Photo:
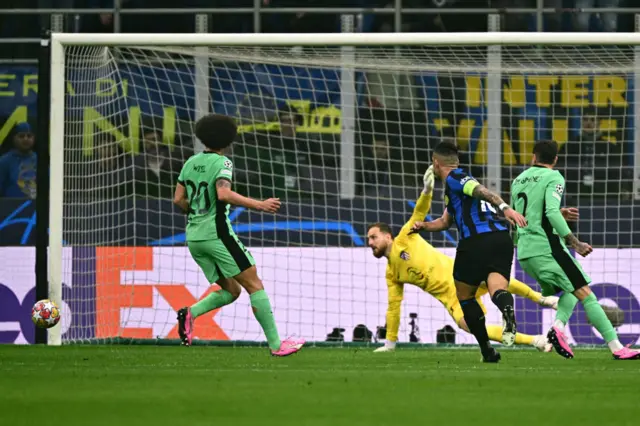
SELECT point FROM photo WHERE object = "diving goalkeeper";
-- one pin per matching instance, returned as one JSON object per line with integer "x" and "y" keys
{"x": 412, "y": 260}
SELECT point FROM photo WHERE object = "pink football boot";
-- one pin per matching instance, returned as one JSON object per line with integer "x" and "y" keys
{"x": 559, "y": 341}
{"x": 626, "y": 353}
{"x": 289, "y": 346}
{"x": 185, "y": 326}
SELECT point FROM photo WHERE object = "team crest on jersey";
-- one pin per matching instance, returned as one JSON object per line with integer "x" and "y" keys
{"x": 404, "y": 255}
{"x": 227, "y": 164}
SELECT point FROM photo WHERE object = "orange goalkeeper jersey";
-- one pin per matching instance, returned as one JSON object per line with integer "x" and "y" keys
{"x": 414, "y": 261}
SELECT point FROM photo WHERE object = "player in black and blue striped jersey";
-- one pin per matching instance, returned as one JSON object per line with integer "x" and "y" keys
{"x": 485, "y": 248}
{"x": 471, "y": 215}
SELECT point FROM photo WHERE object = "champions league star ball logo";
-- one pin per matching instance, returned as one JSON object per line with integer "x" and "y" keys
{"x": 559, "y": 189}
{"x": 227, "y": 164}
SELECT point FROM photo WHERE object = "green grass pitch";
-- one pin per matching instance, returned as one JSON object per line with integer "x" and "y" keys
{"x": 154, "y": 385}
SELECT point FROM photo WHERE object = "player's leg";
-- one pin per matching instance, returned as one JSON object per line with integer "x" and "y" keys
{"x": 468, "y": 277}
{"x": 521, "y": 289}
{"x": 493, "y": 331}
{"x": 229, "y": 291}
{"x": 203, "y": 253}
{"x": 498, "y": 269}
{"x": 546, "y": 271}
{"x": 261, "y": 307}
{"x": 237, "y": 262}
{"x": 596, "y": 315}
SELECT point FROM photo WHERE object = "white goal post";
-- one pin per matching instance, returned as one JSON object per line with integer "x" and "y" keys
{"x": 493, "y": 55}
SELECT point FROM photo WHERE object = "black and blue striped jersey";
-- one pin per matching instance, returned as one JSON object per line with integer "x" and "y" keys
{"x": 472, "y": 216}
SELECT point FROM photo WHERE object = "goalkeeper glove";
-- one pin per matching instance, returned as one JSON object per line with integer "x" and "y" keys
{"x": 388, "y": 347}
{"x": 429, "y": 181}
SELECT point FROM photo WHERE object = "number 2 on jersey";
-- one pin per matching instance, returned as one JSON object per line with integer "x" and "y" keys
{"x": 199, "y": 194}
{"x": 523, "y": 196}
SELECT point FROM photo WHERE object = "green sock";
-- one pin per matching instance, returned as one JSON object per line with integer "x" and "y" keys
{"x": 215, "y": 300}
{"x": 262, "y": 310}
{"x": 598, "y": 318}
{"x": 566, "y": 306}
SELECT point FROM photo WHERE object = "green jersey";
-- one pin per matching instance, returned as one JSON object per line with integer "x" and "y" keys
{"x": 537, "y": 194}
{"x": 208, "y": 218}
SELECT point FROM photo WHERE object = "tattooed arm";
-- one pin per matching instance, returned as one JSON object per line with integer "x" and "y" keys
{"x": 227, "y": 195}
{"x": 482, "y": 193}
{"x": 582, "y": 248}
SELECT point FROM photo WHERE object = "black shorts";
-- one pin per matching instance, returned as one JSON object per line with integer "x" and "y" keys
{"x": 480, "y": 255}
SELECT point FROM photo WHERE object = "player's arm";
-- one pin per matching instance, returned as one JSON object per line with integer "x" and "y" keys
{"x": 396, "y": 294}
{"x": 474, "y": 189}
{"x": 227, "y": 195}
{"x": 553, "y": 198}
{"x": 442, "y": 223}
{"x": 180, "y": 197}
{"x": 423, "y": 205}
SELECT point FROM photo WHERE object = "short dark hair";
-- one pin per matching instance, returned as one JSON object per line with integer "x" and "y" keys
{"x": 545, "y": 151}
{"x": 216, "y": 131}
{"x": 383, "y": 227}
{"x": 446, "y": 149}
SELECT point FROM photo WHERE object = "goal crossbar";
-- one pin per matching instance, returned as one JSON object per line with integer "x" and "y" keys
{"x": 349, "y": 39}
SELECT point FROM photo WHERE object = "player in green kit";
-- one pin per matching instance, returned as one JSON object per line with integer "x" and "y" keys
{"x": 204, "y": 193}
{"x": 542, "y": 250}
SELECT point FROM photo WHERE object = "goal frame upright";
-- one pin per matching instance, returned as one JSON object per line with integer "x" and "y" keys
{"x": 347, "y": 185}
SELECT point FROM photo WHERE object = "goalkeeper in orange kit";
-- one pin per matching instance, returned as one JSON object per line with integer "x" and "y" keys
{"x": 413, "y": 260}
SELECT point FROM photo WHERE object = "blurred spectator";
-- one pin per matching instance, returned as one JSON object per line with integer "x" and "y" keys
{"x": 527, "y": 22}
{"x": 592, "y": 164}
{"x": 272, "y": 159}
{"x": 609, "y": 20}
{"x": 156, "y": 168}
{"x": 102, "y": 23}
{"x": 18, "y": 166}
{"x": 376, "y": 167}
{"x": 230, "y": 23}
{"x": 45, "y": 20}
{"x": 261, "y": 171}
{"x": 445, "y": 22}
{"x": 303, "y": 22}
{"x": 137, "y": 23}
{"x": 300, "y": 149}
{"x": 112, "y": 176}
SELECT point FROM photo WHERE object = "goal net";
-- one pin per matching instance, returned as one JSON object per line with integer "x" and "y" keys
{"x": 340, "y": 130}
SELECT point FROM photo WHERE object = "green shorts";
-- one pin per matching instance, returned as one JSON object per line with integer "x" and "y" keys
{"x": 556, "y": 272}
{"x": 220, "y": 259}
